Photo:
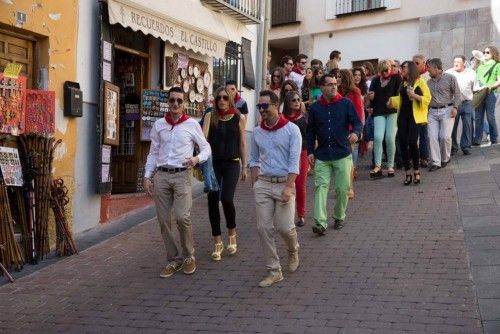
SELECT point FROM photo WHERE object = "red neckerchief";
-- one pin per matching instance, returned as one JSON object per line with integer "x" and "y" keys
{"x": 275, "y": 86}
{"x": 324, "y": 102}
{"x": 170, "y": 121}
{"x": 294, "y": 117}
{"x": 297, "y": 69}
{"x": 389, "y": 76}
{"x": 281, "y": 123}
{"x": 237, "y": 97}
{"x": 231, "y": 111}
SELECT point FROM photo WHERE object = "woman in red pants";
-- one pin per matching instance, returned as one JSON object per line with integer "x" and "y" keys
{"x": 293, "y": 111}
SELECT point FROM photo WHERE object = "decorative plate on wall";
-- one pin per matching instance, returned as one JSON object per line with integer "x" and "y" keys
{"x": 199, "y": 85}
{"x": 185, "y": 85}
{"x": 190, "y": 69}
{"x": 192, "y": 96}
{"x": 183, "y": 73}
{"x": 199, "y": 98}
{"x": 196, "y": 71}
{"x": 207, "y": 79}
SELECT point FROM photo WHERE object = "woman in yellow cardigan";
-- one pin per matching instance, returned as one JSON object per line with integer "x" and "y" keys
{"x": 412, "y": 105}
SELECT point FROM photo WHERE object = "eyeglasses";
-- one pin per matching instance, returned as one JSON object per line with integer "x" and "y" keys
{"x": 263, "y": 106}
{"x": 486, "y": 52}
{"x": 172, "y": 100}
{"x": 222, "y": 97}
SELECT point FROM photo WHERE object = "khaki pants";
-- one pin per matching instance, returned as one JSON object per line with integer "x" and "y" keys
{"x": 272, "y": 214}
{"x": 439, "y": 128}
{"x": 172, "y": 192}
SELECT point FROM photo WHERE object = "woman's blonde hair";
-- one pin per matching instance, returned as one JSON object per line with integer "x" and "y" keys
{"x": 383, "y": 65}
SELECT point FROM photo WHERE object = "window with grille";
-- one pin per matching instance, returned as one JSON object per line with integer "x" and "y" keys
{"x": 227, "y": 68}
{"x": 346, "y": 7}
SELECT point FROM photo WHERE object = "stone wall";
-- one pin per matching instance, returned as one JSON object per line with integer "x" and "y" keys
{"x": 446, "y": 35}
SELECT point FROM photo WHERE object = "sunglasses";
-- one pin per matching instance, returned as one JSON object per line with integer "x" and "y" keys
{"x": 486, "y": 52}
{"x": 172, "y": 100}
{"x": 263, "y": 106}
{"x": 222, "y": 97}
{"x": 296, "y": 100}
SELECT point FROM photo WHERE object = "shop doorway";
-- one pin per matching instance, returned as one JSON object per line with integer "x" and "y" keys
{"x": 19, "y": 50}
{"x": 131, "y": 72}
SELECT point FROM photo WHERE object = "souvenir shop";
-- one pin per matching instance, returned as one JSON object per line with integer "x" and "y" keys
{"x": 142, "y": 55}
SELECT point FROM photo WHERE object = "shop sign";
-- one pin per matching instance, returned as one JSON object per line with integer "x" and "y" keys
{"x": 168, "y": 31}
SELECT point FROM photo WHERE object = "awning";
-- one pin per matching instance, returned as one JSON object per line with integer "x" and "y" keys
{"x": 184, "y": 23}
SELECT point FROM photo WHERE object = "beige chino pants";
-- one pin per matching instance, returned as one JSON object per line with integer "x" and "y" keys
{"x": 172, "y": 192}
{"x": 273, "y": 214}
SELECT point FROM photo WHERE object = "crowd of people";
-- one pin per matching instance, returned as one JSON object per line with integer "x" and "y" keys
{"x": 313, "y": 120}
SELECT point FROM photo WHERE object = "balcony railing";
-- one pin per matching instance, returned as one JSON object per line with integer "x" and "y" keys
{"x": 283, "y": 12}
{"x": 246, "y": 11}
{"x": 348, "y": 7}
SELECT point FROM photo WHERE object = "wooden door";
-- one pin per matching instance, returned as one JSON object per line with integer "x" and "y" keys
{"x": 128, "y": 158}
{"x": 15, "y": 49}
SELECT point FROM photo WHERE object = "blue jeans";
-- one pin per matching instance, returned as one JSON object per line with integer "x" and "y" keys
{"x": 385, "y": 128}
{"x": 209, "y": 178}
{"x": 488, "y": 108}
{"x": 368, "y": 130}
{"x": 423, "y": 142}
{"x": 465, "y": 112}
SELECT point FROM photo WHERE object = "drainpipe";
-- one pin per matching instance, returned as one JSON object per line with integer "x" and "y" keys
{"x": 262, "y": 50}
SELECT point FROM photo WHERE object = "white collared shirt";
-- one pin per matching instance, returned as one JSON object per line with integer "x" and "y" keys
{"x": 172, "y": 146}
{"x": 465, "y": 80}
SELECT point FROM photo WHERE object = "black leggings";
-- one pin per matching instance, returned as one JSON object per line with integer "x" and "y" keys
{"x": 408, "y": 138}
{"x": 227, "y": 174}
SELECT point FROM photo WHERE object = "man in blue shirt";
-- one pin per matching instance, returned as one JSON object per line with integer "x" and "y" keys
{"x": 274, "y": 165}
{"x": 334, "y": 125}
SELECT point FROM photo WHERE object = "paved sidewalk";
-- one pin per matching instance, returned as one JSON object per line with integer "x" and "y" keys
{"x": 477, "y": 180}
{"x": 399, "y": 266}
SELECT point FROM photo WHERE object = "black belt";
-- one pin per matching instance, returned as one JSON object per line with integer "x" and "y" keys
{"x": 171, "y": 170}
{"x": 442, "y": 107}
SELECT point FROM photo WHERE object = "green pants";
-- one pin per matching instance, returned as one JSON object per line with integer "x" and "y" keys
{"x": 323, "y": 170}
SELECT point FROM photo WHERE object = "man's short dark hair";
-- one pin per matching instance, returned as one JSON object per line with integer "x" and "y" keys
{"x": 285, "y": 60}
{"x": 175, "y": 89}
{"x": 316, "y": 62}
{"x": 435, "y": 62}
{"x": 231, "y": 82}
{"x": 461, "y": 57}
{"x": 334, "y": 54}
{"x": 272, "y": 96}
{"x": 322, "y": 80}
{"x": 299, "y": 57}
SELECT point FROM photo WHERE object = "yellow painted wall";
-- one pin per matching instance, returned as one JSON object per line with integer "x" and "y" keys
{"x": 56, "y": 23}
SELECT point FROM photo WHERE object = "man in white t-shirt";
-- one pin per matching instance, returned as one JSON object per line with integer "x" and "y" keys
{"x": 465, "y": 78}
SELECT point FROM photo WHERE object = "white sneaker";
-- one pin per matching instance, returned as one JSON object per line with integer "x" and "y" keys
{"x": 271, "y": 279}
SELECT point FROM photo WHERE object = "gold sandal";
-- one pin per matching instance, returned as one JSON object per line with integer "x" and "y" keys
{"x": 219, "y": 248}
{"x": 232, "y": 247}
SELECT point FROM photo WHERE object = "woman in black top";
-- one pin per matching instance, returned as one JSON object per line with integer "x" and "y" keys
{"x": 226, "y": 135}
{"x": 293, "y": 112}
{"x": 382, "y": 88}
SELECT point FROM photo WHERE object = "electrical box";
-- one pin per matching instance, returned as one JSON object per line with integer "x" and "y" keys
{"x": 73, "y": 99}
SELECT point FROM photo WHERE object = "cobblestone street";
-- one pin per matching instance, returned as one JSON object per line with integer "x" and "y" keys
{"x": 399, "y": 265}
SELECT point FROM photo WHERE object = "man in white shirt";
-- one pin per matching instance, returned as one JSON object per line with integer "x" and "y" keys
{"x": 171, "y": 161}
{"x": 465, "y": 78}
{"x": 299, "y": 70}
